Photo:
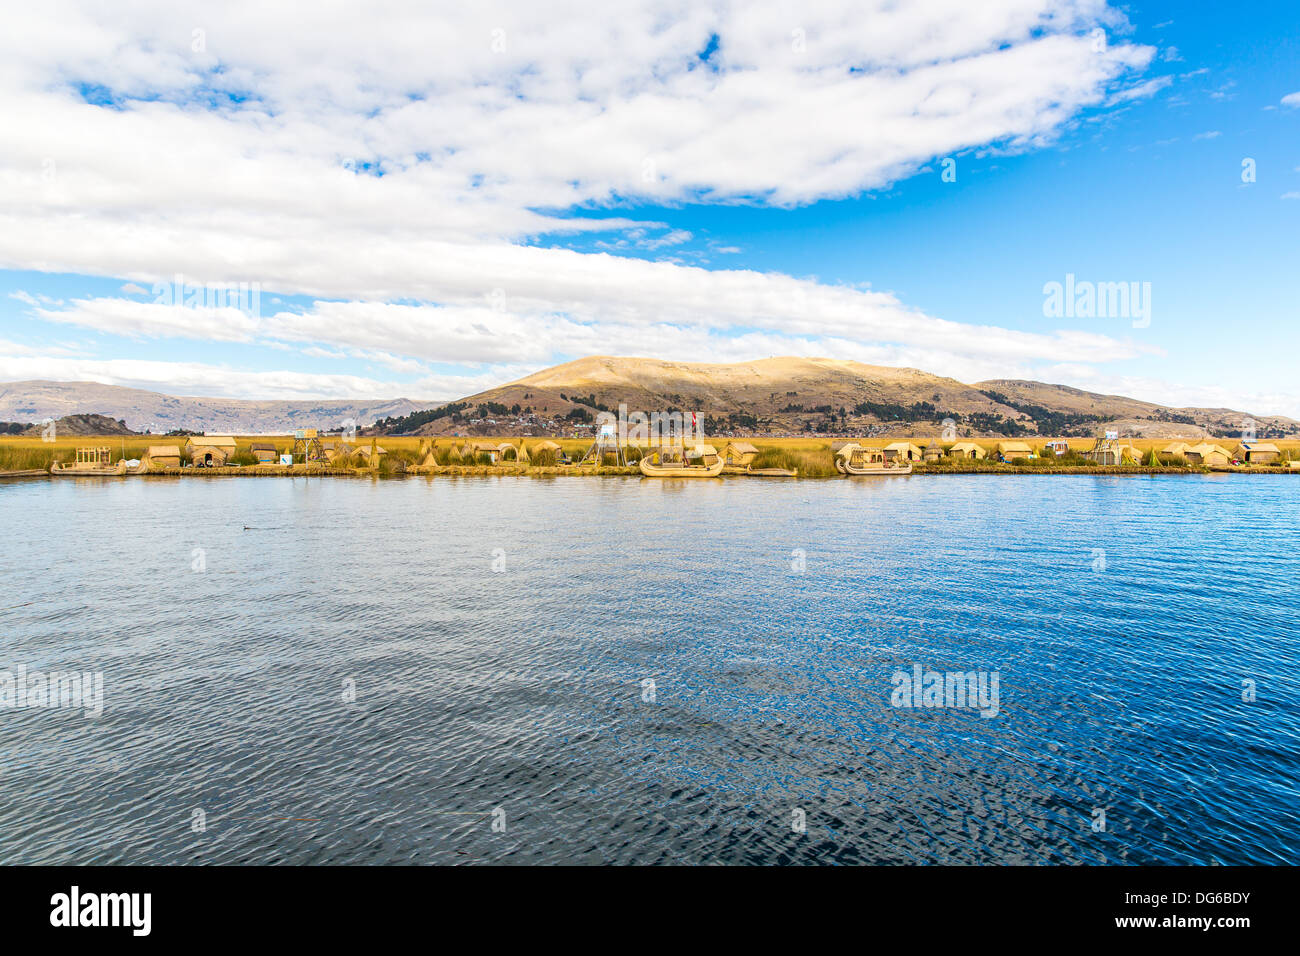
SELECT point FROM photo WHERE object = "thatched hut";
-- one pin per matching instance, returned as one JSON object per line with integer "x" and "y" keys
{"x": 507, "y": 452}
{"x": 548, "y": 450}
{"x": 740, "y": 454}
{"x": 1210, "y": 455}
{"x": 903, "y": 451}
{"x": 161, "y": 456}
{"x": 265, "y": 453}
{"x": 932, "y": 452}
{"x": 209, "y": 451}
{"x": 1258, "y": 452}
{"x": 1011, "y": 450}
{"x": 966, "y": 449}
{"x": 1173, "y": 450}
{"x": 338, "y": 450}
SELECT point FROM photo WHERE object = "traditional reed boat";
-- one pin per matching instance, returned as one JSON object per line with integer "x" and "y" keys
{"x": 90, "y": 463}
{"x": 854, "y": 459}
{"x": 699, "y": 461}
{"x": 771, "y": 472}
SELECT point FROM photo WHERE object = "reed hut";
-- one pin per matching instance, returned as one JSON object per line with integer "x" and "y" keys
{"x": 903, "y": 451}
{"x": 1173, "y": 450}
{"x": 740, "y": 454}
{"x": 209, "y": 451}
{"x": 337, "y": 451}
{"x": 1258, "y": 452}
{"x": 507, "y": 452}
{"x": 932, "y": 452}
{"x": 473, "y": 449}
{"x": 966, "y": 449}
{"x": 549, "y": 448}
{"x": 1011, "y": 450}
{"x": 161, "y": 456}
{"x": 364, "y": 452}
{"x": 1212, "y": 456}
{"x": 265, "y": 453}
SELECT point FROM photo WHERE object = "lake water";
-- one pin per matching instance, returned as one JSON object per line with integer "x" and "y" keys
{"x": 455, "y": 670}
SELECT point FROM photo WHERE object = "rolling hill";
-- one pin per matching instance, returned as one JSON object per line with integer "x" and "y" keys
{"x": 800, "y": 396}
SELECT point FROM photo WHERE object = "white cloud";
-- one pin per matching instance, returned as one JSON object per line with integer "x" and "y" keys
{"x": 255, "y": 158}
{"x": 1292, "y": 100}
{"x": 1141, "y": 90}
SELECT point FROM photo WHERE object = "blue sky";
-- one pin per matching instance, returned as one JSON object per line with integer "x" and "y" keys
{"x": 826, "y": 227}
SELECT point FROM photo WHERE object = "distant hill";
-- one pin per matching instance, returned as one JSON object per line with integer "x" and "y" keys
{"x": 142, "y": 410}
{"x": 797, "y": 396}
{"x": 84, "y": 425}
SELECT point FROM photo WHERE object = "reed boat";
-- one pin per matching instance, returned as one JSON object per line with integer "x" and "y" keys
{"x": 699, "y": 461}
{"x": 90, "y": 463}
{"x": 854, "y": 459}
{"x": 771, "y": 472}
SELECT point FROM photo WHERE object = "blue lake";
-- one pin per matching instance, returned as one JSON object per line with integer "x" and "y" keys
{"x": 624, "y": 670}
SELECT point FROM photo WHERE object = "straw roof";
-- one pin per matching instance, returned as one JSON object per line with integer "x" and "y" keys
{"x": 1261, "y": 446}
{"x": 211, "y": 441}
{"x": 546, "y": 446}
{"x": 163, "y": 451}
{"x": 966, "y": 446}
{"x": 262, "y": 446}
{"x": 845, "y": 448}
{"x": 704, "y": 449}
{"x": 1177, "y": 448}
{"x": 1206, "y": 449}
{"x": 1014, "y": 447}
{"x": 743, "y": 448}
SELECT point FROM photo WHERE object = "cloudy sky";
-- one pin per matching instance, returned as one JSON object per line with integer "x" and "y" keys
{"x": 431, "y": 199}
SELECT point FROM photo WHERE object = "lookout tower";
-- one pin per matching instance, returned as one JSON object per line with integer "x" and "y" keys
{"x": 606, "y": 443}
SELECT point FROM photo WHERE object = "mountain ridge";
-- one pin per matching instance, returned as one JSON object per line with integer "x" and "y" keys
{"x": 797, "y": 396}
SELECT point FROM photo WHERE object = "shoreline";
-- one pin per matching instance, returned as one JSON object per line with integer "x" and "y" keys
{"x": 558, "y": 471}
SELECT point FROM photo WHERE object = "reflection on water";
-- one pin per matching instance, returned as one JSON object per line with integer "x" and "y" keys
{"x": 336, "y": 671}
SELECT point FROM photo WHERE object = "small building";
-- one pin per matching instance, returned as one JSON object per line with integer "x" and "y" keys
{"x": 932, "y": 452}
{"x": 903, "y": 451}
{"x": 1259, "y": 452}
{"x": 1011, "y": 450}
{"x": 473, "y": 449}
{"x": 209, "y": 451}
{"x": 336, "y": 450}
{"x": 364, "y": 452}
{"x": 161, "y": 456}
{"x": 1058, "y": 447}
{"x": 740, "y": 454}
{"x": 1174, "y": 450}
{"x": 1212, "y": 456}
{"x": 966, "y": 449}
{"x": 265, "y": 453}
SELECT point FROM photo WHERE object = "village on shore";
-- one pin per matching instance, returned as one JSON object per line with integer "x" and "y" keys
{"x": 310, "y": 452}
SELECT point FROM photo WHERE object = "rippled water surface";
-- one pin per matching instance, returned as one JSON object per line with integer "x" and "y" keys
{"x": 232, "y": 620}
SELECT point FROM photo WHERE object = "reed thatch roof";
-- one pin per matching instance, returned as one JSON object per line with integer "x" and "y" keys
{"x": 742, "y": 448}
{"x": 163, "y": 451}
{"x": 546, "y": 446}
{"x": 211, "y": 441}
